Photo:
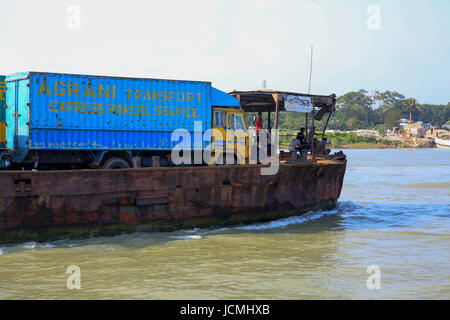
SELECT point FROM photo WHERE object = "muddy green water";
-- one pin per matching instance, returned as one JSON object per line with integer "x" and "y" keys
{"x": 394, "y": 212}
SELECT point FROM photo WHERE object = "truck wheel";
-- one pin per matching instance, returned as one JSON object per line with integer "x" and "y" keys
{"x": 115, "y": 163}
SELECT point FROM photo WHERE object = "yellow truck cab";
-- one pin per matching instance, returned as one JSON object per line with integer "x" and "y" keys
{"x": 230, "y": 136}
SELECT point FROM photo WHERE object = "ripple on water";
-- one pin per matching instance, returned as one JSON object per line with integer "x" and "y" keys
{"x": 426, "y": 185}
{"x": 394, "y": 212}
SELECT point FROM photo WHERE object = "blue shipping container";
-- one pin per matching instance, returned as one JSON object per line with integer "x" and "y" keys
{"x": 81, "y": 112}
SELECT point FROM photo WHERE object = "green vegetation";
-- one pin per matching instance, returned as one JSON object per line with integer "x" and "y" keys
{"x": 361, "y": 110}
{"x": 364, "y": 110}
{"x": 342, "y": 139}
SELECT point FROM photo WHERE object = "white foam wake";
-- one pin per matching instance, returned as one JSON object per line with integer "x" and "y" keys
{"x": 282, "y": 223}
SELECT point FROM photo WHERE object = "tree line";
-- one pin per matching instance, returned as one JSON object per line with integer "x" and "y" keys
{"x": 377, "y": 110}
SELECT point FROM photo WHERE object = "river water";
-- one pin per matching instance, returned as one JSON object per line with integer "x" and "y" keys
{"x": 393, "y": 215}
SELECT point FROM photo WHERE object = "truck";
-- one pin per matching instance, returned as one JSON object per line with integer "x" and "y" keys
{"x": 68, "y": 121}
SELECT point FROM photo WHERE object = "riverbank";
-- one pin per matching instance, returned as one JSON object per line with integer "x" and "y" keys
{"x": 364, "y": 146}
{"x": 355, "y": 140}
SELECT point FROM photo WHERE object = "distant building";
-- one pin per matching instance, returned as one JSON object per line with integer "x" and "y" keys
{"x": 417, "y": 124}
{"x": 403, "y": 122}
{"x": 416, "y": 131}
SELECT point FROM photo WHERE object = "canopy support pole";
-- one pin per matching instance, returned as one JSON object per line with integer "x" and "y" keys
{"x": 313, "y": 154}
{"x": 238, "y": 97}
{"x": 326, "y": 124}
{"x": 277, "y": 108}
{"x": 306, "y": 122}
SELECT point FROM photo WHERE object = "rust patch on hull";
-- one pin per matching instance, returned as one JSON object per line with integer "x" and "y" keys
{"x": 50, "y": 205}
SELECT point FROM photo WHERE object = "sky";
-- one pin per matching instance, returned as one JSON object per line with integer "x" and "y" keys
{"x": 401, "y": 46}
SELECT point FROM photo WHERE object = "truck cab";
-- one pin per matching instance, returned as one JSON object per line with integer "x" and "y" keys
{"x": 231, "y": 136}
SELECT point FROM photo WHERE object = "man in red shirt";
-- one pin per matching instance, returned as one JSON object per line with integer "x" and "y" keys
{"x": 258, "y": 124}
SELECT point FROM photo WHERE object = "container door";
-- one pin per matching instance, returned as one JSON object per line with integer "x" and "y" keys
{"x": 2, "y": 112}
{"x": 10, "y": 112}
{"x": 23, "y": 114}
{"x": 17, "y": 114}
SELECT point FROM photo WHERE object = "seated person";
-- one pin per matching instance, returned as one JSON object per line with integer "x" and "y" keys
{"x": 327, "y": 150}
{"x": 320, "y": 147}
{"x": 302, "y": 139}
{"x": 296, "y": 147}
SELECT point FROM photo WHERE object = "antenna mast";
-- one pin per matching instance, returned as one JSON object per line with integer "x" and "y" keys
{"x": 309, "y": 90}
{"x": 313, "y": 156}
{"x": 310, "y": 71}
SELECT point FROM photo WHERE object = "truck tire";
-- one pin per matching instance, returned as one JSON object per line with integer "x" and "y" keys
{"x": 115, "y": 163}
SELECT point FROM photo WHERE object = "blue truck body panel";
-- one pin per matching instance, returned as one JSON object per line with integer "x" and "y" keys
{"x": 223, "y": 99}
{"x": 49, "y": 111}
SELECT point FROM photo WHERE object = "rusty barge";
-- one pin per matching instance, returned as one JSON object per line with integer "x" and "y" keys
{"x": 50, "y": 205}
{"x": 75, "y": 173}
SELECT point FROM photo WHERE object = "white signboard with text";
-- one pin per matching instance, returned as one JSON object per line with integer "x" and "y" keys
{"x": 298, "y": 104}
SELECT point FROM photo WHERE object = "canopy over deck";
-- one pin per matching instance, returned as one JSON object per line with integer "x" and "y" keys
{"x": 276, "y": 101}
{"x": 264, "y": 100}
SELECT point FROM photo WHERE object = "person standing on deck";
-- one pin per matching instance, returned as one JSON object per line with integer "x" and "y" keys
{"x": 258, "y": 124}
{"x": 311, "y": 134}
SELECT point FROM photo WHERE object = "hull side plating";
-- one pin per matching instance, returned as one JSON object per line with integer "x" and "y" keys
{"x": 50, "y": 205}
